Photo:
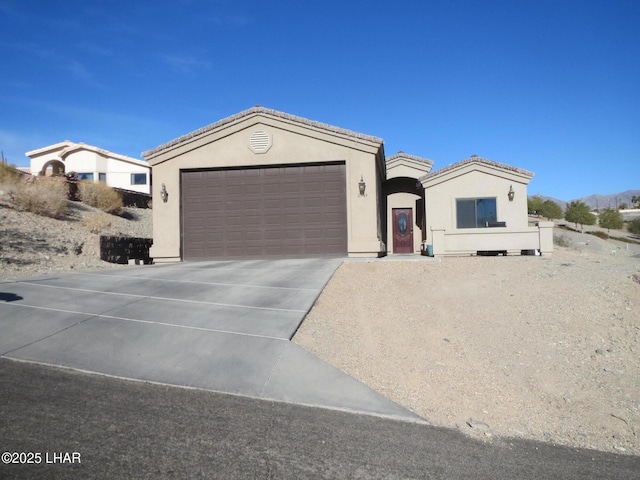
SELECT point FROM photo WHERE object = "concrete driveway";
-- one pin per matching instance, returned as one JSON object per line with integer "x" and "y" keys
{"x": 220, "y": 325}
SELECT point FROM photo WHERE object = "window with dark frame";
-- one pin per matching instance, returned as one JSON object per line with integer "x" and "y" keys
{"x": 475, "y": 212}
{"x": 138, "y": 179}
{"x": 102, "y": 177}
{"x": 85, "y": 176}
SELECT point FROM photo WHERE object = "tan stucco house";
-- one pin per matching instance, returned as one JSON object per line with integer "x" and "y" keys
{"x": 267, "y": 183}
{"x": 93, "y": 164}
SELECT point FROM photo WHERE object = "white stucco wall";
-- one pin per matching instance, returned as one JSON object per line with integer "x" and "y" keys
{"x": 87, "y": 159}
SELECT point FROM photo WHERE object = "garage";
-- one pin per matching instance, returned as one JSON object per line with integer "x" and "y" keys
{"x": 266, "y": 211}
{"x": 264, "y": 183}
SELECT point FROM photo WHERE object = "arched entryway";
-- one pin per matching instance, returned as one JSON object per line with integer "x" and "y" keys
{"x": 52, "y": 168}
{"x": 404, "y": 215}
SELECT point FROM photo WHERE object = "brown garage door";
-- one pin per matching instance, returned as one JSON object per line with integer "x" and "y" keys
{"x": 291, "y": 210}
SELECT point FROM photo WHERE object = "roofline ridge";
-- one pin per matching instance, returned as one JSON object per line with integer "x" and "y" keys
{"x": 258, "y": 110}
{"x": 476, "y": 159}
{"x": 410, "y": 157}
{"x": 81, "y": 145}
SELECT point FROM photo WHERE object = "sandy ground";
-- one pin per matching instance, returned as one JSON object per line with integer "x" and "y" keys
{"x": 545, "y": 348}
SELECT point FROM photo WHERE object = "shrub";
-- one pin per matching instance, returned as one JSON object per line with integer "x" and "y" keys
{"x": 561, "y": 241}
{"x": 101, "y": 196}
{"x": 97, "y": 223}
{"x": 44, "y": 197}
{"x": 8, "y": 174}
{"x": 601, "y": 235}
{"x": 634, "y": 226}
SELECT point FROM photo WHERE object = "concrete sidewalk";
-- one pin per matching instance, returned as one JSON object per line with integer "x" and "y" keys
{"x": 223, "y": 326}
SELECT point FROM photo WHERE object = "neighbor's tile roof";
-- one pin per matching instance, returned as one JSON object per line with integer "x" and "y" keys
{"x": 475, "y": 159}
{"x": 83, "y": 146}
{"x": 257, "y": 110}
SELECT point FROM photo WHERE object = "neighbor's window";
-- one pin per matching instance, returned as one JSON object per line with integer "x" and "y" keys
{"x": 475, "y": 212}
{"x": 138, "y": 179}
{"x": 102, "y": 177}
{"x": 85, "y": 176}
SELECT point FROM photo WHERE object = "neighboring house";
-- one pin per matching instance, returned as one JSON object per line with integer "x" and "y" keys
{"x": 93, "y": 164}
{"x": 267, "y": 183}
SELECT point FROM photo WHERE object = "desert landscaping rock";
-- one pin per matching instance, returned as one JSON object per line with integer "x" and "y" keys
{"x": 477, "y": 425}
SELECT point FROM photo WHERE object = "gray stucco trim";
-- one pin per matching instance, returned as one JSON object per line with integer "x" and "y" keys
{"x": 476, "y": 159}
{"x": 261, "y": 110}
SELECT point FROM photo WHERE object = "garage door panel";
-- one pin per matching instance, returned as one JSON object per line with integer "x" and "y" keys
{"x": 271, "y": 211}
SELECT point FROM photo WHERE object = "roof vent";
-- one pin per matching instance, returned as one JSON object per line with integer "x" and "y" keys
{"x": 474, "y": 156}
{"x": 260, "y": 142}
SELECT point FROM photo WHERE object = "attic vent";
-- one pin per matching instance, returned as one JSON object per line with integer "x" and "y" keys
{"x": 260, "y": 142}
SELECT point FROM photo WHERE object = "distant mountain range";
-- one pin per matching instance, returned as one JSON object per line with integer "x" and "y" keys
{"x": 596, "y": 201}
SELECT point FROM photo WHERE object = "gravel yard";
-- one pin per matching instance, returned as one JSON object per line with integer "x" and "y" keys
{"x": 545, "y": 348}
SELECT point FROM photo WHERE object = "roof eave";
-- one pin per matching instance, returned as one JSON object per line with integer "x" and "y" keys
{"x": 49, "y": 148}
{"x": 433, "y": 177}
{"x": 258, "y": 110}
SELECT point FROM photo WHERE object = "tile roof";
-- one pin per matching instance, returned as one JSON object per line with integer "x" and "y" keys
{"x": 261, "y": 110}
{"x": 475, "y": 159}
{"x": 83, "y": 146}
{"x": 401, "y": 154}
{"x": 67, "y": 147}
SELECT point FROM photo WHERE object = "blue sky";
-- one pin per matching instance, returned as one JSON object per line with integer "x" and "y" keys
{"x": 551, "y": 86}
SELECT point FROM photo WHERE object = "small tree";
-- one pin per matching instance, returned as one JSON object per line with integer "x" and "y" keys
{"x": 623, "y": 206}
{"x": 534, "y": 205}
{"x": 551, "y": 210}
{"x": 611, "y": 218}
{"x": 579, "y": 213}
{"x": 635, "y": 201}
{"x": 634, "y": 226}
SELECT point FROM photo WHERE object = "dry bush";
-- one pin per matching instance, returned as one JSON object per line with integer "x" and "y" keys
{"x": 44, "y": 197}
{"x": 97, "y": 223}
{"x": 8, "y": 174}
{"x": 562, "y": 241}
{"x": 101, "y": 196}
{"x": 601, "y": 235}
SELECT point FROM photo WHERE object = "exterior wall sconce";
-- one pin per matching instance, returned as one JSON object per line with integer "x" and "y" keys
{"x": 511, "y": 193}
{"x": 164, "y": 195}
{"x": 362, "y": 186}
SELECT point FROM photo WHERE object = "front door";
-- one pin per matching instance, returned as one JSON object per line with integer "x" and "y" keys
{"x": 402, "y": 230}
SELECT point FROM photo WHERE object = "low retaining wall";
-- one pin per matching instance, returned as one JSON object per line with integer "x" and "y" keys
{"x": 468, "y": 242}
{"x": 125, "y": 249}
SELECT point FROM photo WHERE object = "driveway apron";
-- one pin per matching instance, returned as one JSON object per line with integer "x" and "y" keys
{"x": 216, "y": 325}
